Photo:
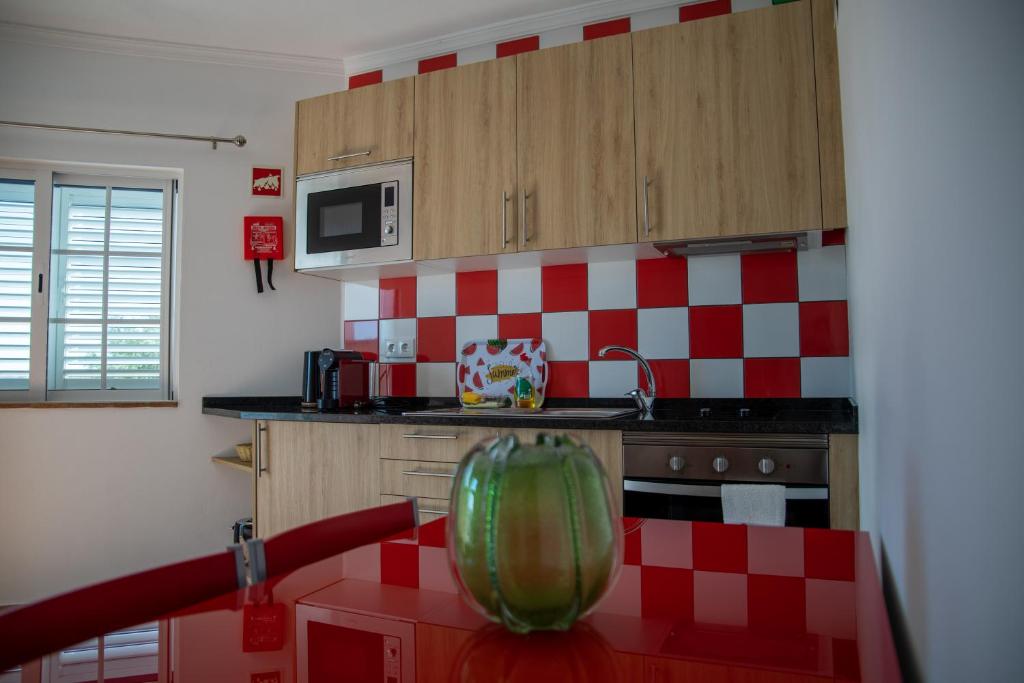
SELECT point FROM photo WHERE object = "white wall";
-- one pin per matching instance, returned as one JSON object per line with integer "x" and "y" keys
{"x": 87, "y": 494}
{"x": 933, "y": 110}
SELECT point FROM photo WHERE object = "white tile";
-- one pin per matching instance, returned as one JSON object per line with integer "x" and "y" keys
{"x": 567, "y": 335}
{"x": 611, "y": 285}
{"x": 720, "y": 598}
{"x": 435, "y": 379}
{"x": 477, "y": 53}
{"x": 744, "y": 5}
{"x": 716, "y": 378}
{"x": 519, "y": 290}
{"x": 398, "y": 328}
{"x": 822, "y": 273}
{"x": 771, "y": 330}
{"x": 653, "y": 18}
{"x": 435, "y": 295}
{"x": 714, "y": 280}
{"x": 401, "y": 70}
{"x": 561, "y": 36}
{"x": 612, "y": 378}
{"x": 470, "y": 327}
{"x": 825, "y": 377}
{"x": 360, "y": 300}
{"x": 663, "y": 332}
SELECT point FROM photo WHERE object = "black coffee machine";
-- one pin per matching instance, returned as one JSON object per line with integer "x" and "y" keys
{"x": 332, "y": 380}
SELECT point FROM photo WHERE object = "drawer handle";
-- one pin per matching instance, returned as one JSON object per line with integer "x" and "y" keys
{"x": 342, "y": 157}
{"x": 430, "y": 436}
{"x": 426, "y": 473}
{"x": 436, "y": 512}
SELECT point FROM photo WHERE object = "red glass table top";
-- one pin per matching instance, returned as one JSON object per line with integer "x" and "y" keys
{"x": 693, "y": 602}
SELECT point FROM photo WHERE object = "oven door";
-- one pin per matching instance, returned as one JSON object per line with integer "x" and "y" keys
{"x": 806, "y": 506}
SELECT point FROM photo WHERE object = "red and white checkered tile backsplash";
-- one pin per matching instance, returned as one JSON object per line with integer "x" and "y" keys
{"x": 751, "y": 325}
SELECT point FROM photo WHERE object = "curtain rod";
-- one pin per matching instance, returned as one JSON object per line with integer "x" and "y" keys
{"x": 237, "y": 141}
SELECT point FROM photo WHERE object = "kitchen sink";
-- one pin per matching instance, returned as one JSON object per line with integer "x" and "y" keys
{"x": 546, "y": 413}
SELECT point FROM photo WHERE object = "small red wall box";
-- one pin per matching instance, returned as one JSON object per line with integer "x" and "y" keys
{"x": 264, "y": 238}
{"x": 267, "y": 182}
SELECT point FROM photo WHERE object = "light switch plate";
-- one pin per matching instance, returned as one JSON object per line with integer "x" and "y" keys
{"x": 400, "y": 347}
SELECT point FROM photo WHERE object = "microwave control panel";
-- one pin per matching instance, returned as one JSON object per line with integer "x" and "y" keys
{"x": 389, "y": 214}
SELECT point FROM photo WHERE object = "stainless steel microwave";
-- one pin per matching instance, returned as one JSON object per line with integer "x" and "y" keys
{"x": 355, "y": 216}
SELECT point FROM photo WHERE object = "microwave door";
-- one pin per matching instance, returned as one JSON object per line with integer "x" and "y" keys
{"x": 344, "y": 219}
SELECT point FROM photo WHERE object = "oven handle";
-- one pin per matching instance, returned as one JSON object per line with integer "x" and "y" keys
{"x": 714, "y": 490}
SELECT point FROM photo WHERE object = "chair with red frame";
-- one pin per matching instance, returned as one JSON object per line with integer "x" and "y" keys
{"x": 44, "y": 627}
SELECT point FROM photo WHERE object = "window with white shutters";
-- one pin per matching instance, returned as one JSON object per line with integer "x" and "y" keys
{"x": 85, "y": 266}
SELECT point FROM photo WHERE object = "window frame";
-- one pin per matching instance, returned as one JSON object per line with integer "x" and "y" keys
{"x": 46, "y": 176}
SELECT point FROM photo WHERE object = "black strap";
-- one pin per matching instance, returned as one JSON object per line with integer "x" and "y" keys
{"x": 270, "y": 274}
{"x": 259, "y": 275}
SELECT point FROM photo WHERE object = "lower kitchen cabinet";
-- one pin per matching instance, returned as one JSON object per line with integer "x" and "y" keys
{"x": 308, "y": 471}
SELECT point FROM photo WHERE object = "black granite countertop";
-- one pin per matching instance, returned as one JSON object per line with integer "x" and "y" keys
{"x": 759, "y": 416}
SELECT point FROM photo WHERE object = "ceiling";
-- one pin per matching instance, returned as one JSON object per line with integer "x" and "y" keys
{"x": 327, "y": 29}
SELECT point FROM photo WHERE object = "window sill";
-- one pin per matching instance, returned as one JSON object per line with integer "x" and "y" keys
{"x": 94, "y": 404}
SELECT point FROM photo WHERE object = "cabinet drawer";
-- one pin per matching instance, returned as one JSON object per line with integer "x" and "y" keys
{"x": 430, "y": 508}
{"x": 417, "y": 478}
{"x": 438, "y": 444}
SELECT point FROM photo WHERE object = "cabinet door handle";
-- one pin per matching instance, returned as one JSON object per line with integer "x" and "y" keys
{"x": 430, "y": 436}
{"x": 504, "y": 219}
{"x": 522, "y": 209}
{"x": 427, "y": 473}
{"x": 436, "y": 512}
{"x": 342, "y": 157}
{"x": 261, "y": 460}
{"x": 647, "y": 210}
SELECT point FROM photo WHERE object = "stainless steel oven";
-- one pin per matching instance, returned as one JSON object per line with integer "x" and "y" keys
{"x": 355, "y": 216}
{"x": 679, "y": 476}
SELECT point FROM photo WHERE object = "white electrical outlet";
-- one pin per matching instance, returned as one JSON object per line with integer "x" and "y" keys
{"x": 400, "y": 348}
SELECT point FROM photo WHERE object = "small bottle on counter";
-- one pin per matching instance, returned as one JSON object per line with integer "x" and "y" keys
{"x": 525, "y": 395}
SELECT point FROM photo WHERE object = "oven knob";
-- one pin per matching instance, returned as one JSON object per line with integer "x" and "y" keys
{"x": 676, "y": 463}
{"x": 766, "y": 466}
{"x": 720, "y": 464}
{"x": 389, "y": 229}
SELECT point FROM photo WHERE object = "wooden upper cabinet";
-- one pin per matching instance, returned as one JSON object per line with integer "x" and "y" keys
{"x": 575, "y": 144}
{"x": 830, "y": 124}
{"x": 376, "y": 118}
{"x": 726, "y": 125}
{"x": 465, "y": 160}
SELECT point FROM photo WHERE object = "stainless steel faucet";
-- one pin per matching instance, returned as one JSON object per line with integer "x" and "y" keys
{"x": 644, "y": 401}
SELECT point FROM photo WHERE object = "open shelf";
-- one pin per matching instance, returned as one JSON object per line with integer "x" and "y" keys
{"x": 233, "y": 461}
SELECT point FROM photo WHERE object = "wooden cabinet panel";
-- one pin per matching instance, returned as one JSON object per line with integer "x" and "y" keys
{"x": 417, "y": 478}
{"x": 726, "y": 125}
{"x": 830, "y": 117}
{"x": 843, "y": 482}
{"x": 465, "y": 160}
{"x": 377, "y": 119}
{"x": 439, "y": 444}
{"x": 575, "y": 144}
{"x": 430, "y": 508}
{"x": 309, "y": 471}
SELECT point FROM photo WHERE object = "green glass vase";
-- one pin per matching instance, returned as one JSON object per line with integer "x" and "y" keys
{"x": 533, "y": 534}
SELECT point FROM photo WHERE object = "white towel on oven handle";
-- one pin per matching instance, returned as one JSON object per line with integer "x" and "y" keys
{"x": 760, "y": 504}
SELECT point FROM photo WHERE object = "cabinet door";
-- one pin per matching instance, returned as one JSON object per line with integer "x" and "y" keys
{"x": 377, "y": 119}
{"x": 465, "y": 161}
{"x": 726, "y": 127}
{"x": 576, "y": 155}
{"x": 310, "y": 471}
{"x": 830, "y": 123}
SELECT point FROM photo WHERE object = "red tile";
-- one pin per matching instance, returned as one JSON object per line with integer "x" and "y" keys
{"x": 633, "y": 547}
{"x": 519, "y": 326}
{"x": 612, "y": 327}
{"x": 398, "y": 297}
{"x": 666, "y": 592}
{"x": 435, "y": 340}
{"x": 716, "y": 332}
{"x": 776, "y": 603}
{"x": 569, "y": 379}
{"x": 769, "y": 278}
{"x": 432, "y": 534}
{"x": 563, "y": 288}
{"x": 514, "y": 47}
{"x": 397, "y": 379}
{"x": 831, "y": 238}
{"x": 400, "y": 564}
{"x": 771, "y": 378}
{"x": 704, "y": 10}
{"x": 720, "y": 547}
{"x": 476, "y": 293}
{"x": 672, "y": 378}
{"x": 829, "y": 554}
{"x": 661, "y": 283}
{"x": 368, "y": 78}
{"x": 361, "y": 335}
{"x": 437, "y": 63}
{"x": 824, "y": 330}
{"x": 845, "y": 660}
{"x": 604, "y": 29}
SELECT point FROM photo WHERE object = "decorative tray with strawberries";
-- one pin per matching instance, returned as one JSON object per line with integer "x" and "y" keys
{"x": 489, "y": 369}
